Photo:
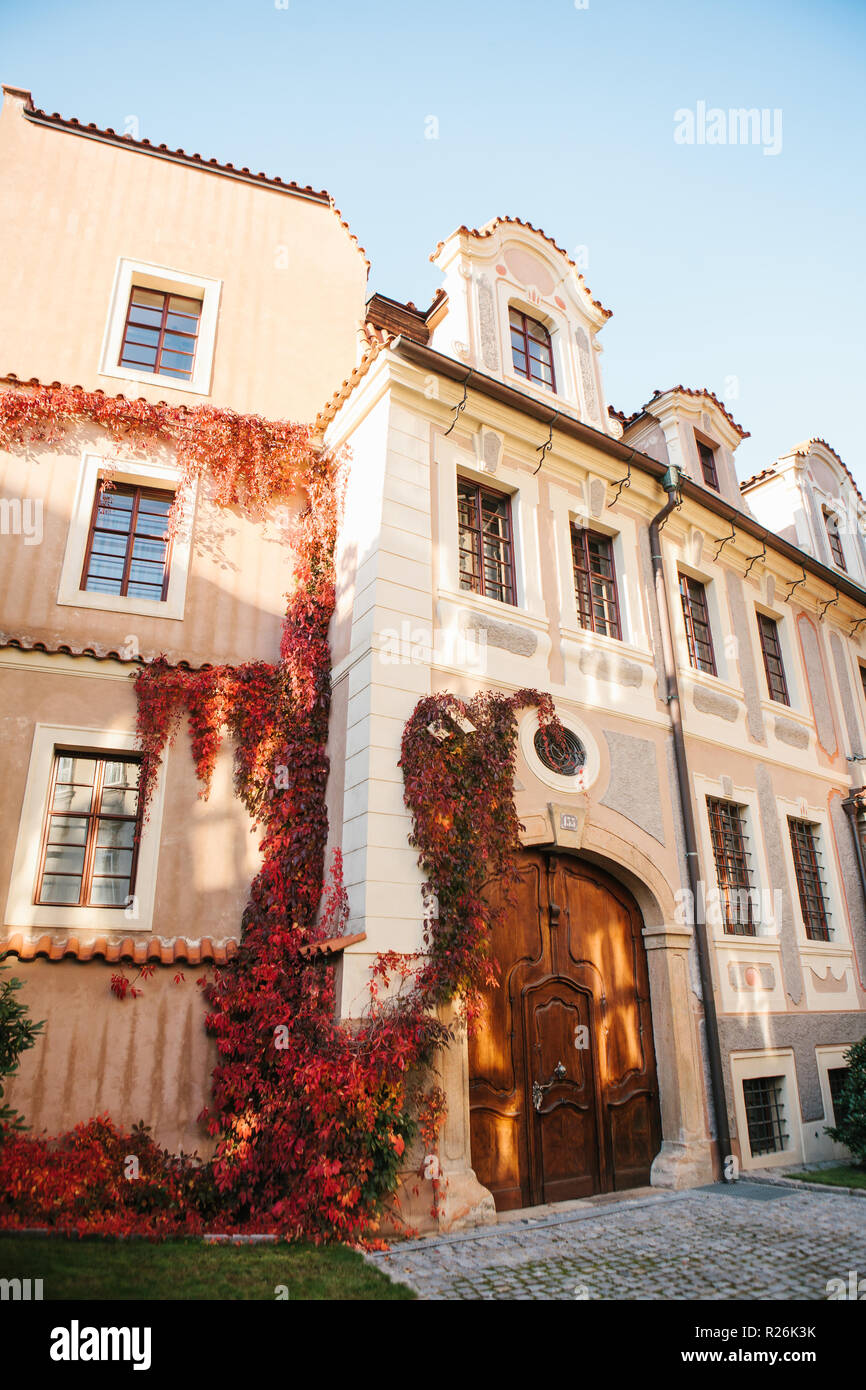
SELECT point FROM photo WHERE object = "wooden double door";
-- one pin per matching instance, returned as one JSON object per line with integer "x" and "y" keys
{"x": 562, "y": 1076}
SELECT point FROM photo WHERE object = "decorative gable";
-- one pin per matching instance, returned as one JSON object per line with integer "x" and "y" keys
{"x": 519, "y": 310}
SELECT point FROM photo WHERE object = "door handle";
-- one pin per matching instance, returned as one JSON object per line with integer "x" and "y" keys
{"x": 539, "y": 1090}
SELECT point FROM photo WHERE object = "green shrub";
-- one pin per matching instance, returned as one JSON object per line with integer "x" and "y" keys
{"x": 17, "y": 1033}
{"x": 850, "y": 1128}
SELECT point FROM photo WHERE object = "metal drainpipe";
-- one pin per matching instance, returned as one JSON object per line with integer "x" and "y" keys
{"x": 673, "y": 700}
{"x": 851, "y": 806}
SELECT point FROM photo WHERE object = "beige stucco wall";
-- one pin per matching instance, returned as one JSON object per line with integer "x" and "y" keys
{"x": 138, "y": 1059}
{"x": 293, "y": 281}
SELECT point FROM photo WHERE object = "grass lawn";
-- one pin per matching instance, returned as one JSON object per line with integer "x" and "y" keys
{"x": 102, "y": 1269}
{"x": 835, "y": 1177}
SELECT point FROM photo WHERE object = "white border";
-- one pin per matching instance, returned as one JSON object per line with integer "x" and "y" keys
{"x": 161, "y": 277}
{"x": 21, "y": 911}
{"x": 143, "y": 475}
{"x": 773, "y": 1062}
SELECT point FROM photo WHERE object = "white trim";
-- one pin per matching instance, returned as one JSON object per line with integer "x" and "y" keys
{"x": 747, "y": 799}
{"x": 21, "y": 911}
{"x": 142, "y": 475}
{"x": 161, "y": 277}
{"x": 772, "y": 1062}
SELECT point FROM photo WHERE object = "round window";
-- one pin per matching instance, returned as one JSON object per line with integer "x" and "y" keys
{"x": 563, "y": 753}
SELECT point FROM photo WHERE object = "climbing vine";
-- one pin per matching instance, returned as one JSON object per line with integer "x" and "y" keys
{"x": 311, "y": 1115}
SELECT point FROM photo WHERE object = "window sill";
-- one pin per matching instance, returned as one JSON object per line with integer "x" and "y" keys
{"x": 165, "y": 383}
{"x": 585, "y": 637}
{"x": 171, "y": 608}
{"x": 494, "y": 606}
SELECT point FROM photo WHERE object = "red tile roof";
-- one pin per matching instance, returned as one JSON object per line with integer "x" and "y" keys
{"x": 139, "y": 951}
{"x": 96, "y": 652}
{"x": 700, "y": 391}
{"x": 378, "y": 338}
{"x": 195, "y": 161}
{"x": 490, "y": 227}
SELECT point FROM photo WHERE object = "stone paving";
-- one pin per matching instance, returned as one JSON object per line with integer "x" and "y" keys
{"x": 741, "y": 1242}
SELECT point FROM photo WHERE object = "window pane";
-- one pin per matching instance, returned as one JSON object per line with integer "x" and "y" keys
{"x": 179, "y": 304}
{"x": 74, "y": 799}
{"x": 113, "y": 861}
{"x": 109, "y": 892}
{"x": 64, "y": 859}
{"x": 181, "y": 341}
{"x": 119, "y": 803}
{"x": 60, "y": 889}
{"x": 73, "y": 768}
{"x": 118, "y": 834}
{"x": 109, "y": 543}
{"x": 175, "y": 361}
{"x": 149, "y": 337}
{"x": 67, "y": 830}
{"x": 106, "y": 566}
{"x": 135, "y": 355}
{"x": 154, "y": 297}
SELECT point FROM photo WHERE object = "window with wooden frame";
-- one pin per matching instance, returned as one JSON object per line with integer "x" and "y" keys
{"x": 810, "y": 879}
{"x": 531, "y": 349}
{"x": 707, "y": 457}
{"x": 128, "y": 548}
{"x": 697, "y": 620}
{"x": 733, "y": 871}
{"x": 90, "y": 837}
{"x": 160, "y": 333}
{"x": 831, "y": 524}
{"x": 595, "y": 581}
{"x": 486, "y": 548}
{"x": 774, "y": 668}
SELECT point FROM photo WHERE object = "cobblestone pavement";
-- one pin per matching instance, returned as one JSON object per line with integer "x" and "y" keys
{"x": 746, "y": 1242}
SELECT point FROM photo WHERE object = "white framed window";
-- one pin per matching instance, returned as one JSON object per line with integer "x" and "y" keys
{"x": 21, "y": 908}
{"x": 176, "y": 349}
{"x": 148, "y": 475}
{"x": 767, "y": 1107}
{"x": 758, "y": 913}
{"x": 586, "y": 766}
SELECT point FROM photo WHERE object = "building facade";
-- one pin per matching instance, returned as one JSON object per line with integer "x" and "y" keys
{"x": 684, "y": 967}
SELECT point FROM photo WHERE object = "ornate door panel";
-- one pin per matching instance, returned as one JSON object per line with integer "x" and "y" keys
{"x": 563, "y": 1094}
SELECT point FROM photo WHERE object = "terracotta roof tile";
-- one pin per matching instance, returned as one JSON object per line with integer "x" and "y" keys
{"x": 490, "y": 227}
{"x": 333, "y": 946}
{"x": 700, "y": 391}
{"x": 137, "y": 950}
{"x": 195, "y": 161}
{"x": 96, "y": 652}
{"x": 378, "y": 339}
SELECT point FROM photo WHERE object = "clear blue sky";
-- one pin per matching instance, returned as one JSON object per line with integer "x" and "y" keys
{"x": 718, "y": 261}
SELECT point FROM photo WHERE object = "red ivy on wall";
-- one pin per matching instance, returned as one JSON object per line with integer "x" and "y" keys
{"x": 312, "y": 1115}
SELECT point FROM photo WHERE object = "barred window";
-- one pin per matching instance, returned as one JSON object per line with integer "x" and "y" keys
{"x": 697, "y": 620}
{"x": 486, "y": 556}
{"x": 531, "y": 349}
{"x": 708, "y": 464}
{"x": 773, "y": 666}
{"x": 128, "y": 548}
{"x": 733, "y": 872}
{"x": 595, "y": 581}
{"x": 765, "y": 1114}
{"x": 160, "y": 333}
{"x": 810, "y": 879}
{"x": 89, "y": 841}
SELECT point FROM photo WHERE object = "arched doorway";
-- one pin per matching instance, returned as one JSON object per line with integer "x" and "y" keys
{"x": 563, "y": 1093}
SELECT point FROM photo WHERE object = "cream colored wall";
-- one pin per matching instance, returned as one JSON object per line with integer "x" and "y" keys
{"x": 285, "y": 336}
{"x": 144, "y": 1059}
{"x": 238, "y": 577}
{"x": 208, "y": 855}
